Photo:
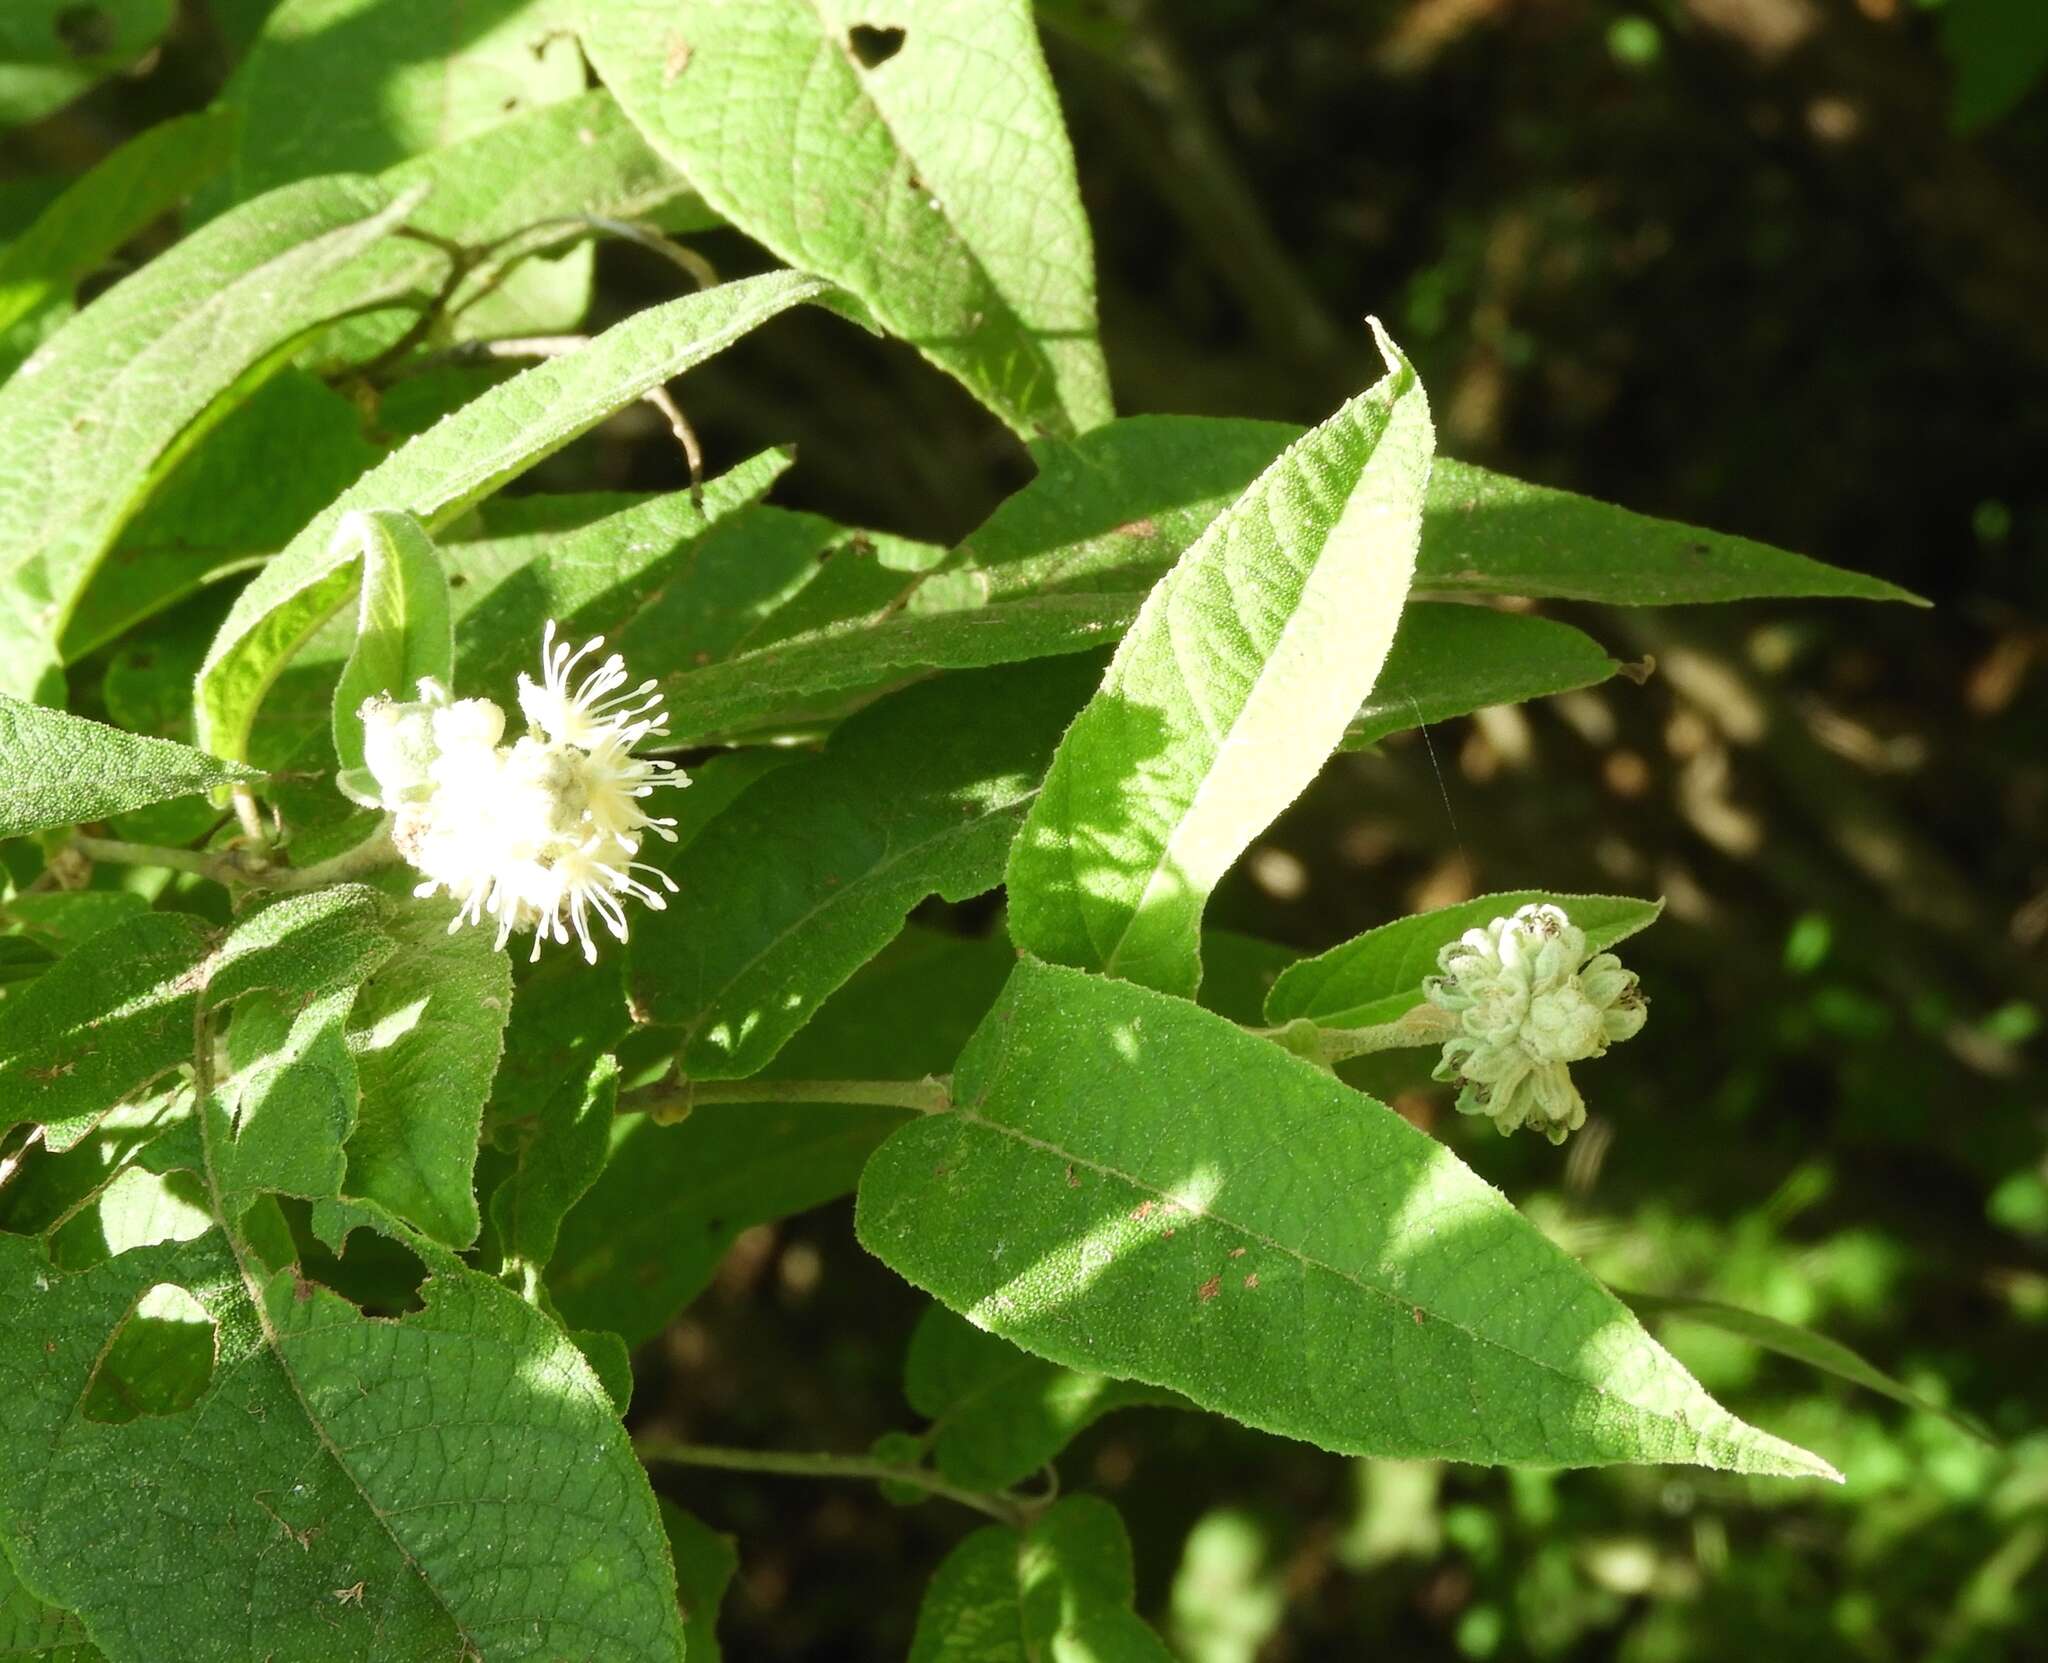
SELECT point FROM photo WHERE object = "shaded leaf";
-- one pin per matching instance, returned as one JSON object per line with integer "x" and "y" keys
{"x": 426, "y": 1033}
{"x": 706, "y": 1562}
{"x": 406, "y": 1489}
{"x": 1113, "y": 509}
{"x": 937, "y": 185}
{"x": 34, "y": 1632}
{"x": 648, "y": 1236}
{"x": 301, "y": 439}
{"x": 1254, "y": 1234}
{"x": 1452, "y": 660}
{"x": 999, "y": 1414}
{"x": 53, "y": 50}
{"x": 1060, "y": 1588}
{"x": 120, "y": 196}
{"x": 750, "y": 689}
{"x": 1376, "y": 976}
{"x": 813, "y": 870}
{"x": 559, "y": 1159}
{"x": 96, "y": 416}
{"x": 353, "y": 86}
{"x": 92, "y": 1029}
{"x": 659, "y": 556}
{"x": 458, "y": 463}
{"x": 1802, "y": 1345}
{"x": 1227, "y": 696}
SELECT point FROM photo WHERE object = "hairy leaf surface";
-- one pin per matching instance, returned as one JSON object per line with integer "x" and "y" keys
{"x": 62, "y": 770}
{"x": 937, "y": 184}
{"x": 1228, "y": 694}
{"x": 1060, "y": 1588}
{"x": 812, "y": 871}
{"x": 1252, "y": 1233}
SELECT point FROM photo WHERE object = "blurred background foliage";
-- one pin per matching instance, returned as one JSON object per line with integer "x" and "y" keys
{"x": 1775, "y": 266}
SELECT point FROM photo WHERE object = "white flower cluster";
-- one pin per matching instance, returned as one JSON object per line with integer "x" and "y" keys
{"x": 1528, "y": 1001}
{"x": 539, "y": 834}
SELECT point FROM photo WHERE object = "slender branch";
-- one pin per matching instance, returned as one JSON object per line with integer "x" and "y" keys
{"x": 221, "y": 865}
{"x": 671, "y": 1103}
{"x": 1424, "y": 1025}
{"x": 794, "y": 1464}
{"x": 244, "y": 866}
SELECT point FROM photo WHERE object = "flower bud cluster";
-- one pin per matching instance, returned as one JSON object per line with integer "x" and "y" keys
{"x": 539, "y": 834}
{"x": 1529, "y": 1000}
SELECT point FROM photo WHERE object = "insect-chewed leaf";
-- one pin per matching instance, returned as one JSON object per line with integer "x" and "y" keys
{"x": 1060, "y": 1588}
{"x": 877, "y": 174}
{"x": 454, "y": 1481}
{"x": 1228, "y": 694}
{"x": 999, "y": 1414}
{"x": 1250, "y": 1232}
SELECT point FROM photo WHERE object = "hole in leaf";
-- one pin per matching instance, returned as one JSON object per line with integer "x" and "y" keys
{"x": 873, "y": 46}
{"x": 377, "y": 1275}
{"x": 86, "y": 31}
{"x": 160, "y": 1361}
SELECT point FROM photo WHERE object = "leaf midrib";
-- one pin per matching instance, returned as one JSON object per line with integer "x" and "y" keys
{"x": 1310, "y": 1262}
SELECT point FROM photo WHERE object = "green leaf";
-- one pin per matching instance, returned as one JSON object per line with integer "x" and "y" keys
{"x": 100, "y": 1025}
{"x": 937, "y": 185}
{"x": 1252, "y": 1233}
{"x": 455, "y": 465}
{"x": 999, "y": 1414}
{"x": 1452, "y": 660}
{"x": 560, "y": 1157}
{"x": 1999, "y": 52}
{"x": 33, "y": 1632}
{"x": 403, "y": 631}
{"x": 65, "y": 919}
{"x": 812, "y": 871}
{"x": 662, "y": 556}
{"x": 53, "y": 50}
{"x": 1495, "y": 535}
{"x": 301, "y": 439}
{"x": 97, "y": 416}
{"x": 1375, "y": 977}
{"x": 754, "y": 687}
{"x": 1802, "y": 1345}
{"x": 62, "y": 770}
{"x": 124, "y": 194}
{"x": 96, "y": 1027}
{"x": 352, "y": 86}
{"x": 453, "y": 1480}
{"x": 651, "y": 1231}
{"x": 1228, "y": 694}
{"x": 706, "y": 1563}
{"x": 537, "y": 181}
{"x": 1114, "y": 508}
{"x": 1061, "y": 1588}
{"x": 426, "y": 1033}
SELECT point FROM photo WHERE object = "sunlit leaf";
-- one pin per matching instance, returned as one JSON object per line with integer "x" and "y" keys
{"x": 1250, "y": 1232}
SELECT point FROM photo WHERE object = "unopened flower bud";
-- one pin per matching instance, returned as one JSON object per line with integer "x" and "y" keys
{"x": 1528, "y": 1001}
